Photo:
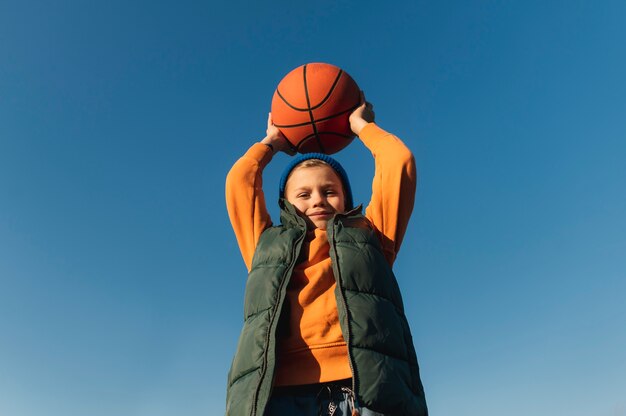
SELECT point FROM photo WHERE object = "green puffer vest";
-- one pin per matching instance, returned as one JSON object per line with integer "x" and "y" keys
{"x": 383, "y": 361}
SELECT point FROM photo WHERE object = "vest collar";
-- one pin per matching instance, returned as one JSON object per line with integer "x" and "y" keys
{"x": 289, "y": 215}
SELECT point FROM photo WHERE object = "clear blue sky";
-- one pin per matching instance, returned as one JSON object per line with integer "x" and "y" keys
{"x": 121, "y": 283}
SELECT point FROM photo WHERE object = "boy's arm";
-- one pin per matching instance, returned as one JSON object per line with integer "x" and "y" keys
{"x": 245, "y": 200}
{"x": 393, "y": 187}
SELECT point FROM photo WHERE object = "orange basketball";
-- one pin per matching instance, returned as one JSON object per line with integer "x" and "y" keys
{"x": 311, "y": 106}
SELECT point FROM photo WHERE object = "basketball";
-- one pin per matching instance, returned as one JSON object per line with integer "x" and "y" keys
{"x": 311, "y": 107}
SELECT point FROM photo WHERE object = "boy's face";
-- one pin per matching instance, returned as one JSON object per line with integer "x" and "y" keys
{"x": 317, "y": 193}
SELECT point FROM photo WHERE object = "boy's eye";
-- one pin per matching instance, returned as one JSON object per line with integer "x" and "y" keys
{"x": 302, "y": 195}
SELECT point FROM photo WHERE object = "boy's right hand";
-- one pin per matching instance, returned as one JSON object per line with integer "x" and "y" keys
{"x": 361, "y": 116}
{"x": 276, "y": 139}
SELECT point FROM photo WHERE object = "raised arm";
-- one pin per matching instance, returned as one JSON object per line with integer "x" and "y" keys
{"x": 245, "y": 200}
{"x": 395, "y": 178}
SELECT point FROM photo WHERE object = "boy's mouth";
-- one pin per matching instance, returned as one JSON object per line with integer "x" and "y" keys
{"x": 320, "y": 214}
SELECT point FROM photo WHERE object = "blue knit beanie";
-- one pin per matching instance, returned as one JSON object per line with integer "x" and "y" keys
{"x": 325, "y": 158}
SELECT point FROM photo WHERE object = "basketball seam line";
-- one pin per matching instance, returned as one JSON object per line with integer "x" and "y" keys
{"x": 345, "y": 136}
{"x": 318, "y": 120}
{"x": 332, "y": 88}
{"x": 308, "y": 104}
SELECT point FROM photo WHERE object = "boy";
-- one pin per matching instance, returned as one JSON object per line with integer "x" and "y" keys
{"x": 324, "y": 330}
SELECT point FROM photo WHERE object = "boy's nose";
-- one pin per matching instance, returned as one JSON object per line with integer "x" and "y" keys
{"x": 318, "y": 199}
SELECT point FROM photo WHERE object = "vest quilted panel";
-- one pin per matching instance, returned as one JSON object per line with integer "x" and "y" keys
{"x": 372, "y": 316}
{"x": 386, "y": 374}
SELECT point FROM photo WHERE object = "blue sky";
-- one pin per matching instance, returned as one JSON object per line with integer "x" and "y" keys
{"x": 121, "y": 284}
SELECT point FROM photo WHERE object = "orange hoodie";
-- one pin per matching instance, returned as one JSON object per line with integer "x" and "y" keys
{"x": 311, "y": 348}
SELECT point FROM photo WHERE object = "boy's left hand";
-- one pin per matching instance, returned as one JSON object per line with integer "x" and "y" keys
{"x": 363, "y": 115}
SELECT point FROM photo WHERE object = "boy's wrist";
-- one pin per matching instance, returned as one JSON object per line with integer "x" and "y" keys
{"x": 268, "y": 141}
{"x": 279, "y": 144}
{"x": 358, "y": 126}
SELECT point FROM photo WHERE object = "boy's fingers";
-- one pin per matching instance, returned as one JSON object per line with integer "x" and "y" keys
{"x": 290, "y": 149}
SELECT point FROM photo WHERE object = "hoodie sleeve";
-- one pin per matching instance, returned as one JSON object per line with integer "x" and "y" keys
{"x": 245, "y": 200}
{"x": 393, "y": 187}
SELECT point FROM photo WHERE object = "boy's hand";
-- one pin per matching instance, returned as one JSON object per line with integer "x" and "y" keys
{"x": 361, "y": 116}
{"x": 276, "y": 140}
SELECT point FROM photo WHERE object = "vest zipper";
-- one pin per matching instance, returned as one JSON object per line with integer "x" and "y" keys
{"x": 284, "y": 280}
{"x": 345, "y": 306}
